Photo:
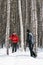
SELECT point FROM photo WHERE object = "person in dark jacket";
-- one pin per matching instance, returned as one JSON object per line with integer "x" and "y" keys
{"x": 14, "y": 38}
{"x": 30, "y": 41}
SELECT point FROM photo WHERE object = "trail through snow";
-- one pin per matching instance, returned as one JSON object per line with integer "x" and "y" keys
{"x": 20, "y": 58}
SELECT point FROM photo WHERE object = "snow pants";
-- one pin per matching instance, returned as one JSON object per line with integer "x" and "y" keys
{"x": 31, "y": 50}
{"x": 14, "y": 47}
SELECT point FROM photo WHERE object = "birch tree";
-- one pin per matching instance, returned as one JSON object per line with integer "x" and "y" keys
{"x": 34, "y": 20}
{"x": 21, "y": 25}
{"x": 26, "y": 22}
{"x": 36, "y": 26}
{"x": 7, "y": 26}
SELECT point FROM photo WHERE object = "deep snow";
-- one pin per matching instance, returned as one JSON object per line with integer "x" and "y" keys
{"x": 20, "y": 58}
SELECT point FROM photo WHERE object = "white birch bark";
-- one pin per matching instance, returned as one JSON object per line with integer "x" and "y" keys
{"x": 36, "y": 26}
{"x": 26, "y": 12}
{"x": 21, "y": 25}
{"x": 26, "y": 22}
{"x": 7, "y": 26}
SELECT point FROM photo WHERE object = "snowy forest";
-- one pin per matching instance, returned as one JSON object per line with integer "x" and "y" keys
{"x": 18, "y": 16}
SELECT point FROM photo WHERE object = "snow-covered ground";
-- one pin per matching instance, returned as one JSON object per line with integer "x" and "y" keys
{"x": 20, "y": 58}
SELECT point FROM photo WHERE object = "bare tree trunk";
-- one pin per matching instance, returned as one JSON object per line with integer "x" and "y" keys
{"x": 21, "y": 25}
{"x": 26, "y": 22}
{"x": 7, "y": 26}
{"x": 34, "y": 21}
{"x": 39, "y": 16}
{"x": 42, "y": 22}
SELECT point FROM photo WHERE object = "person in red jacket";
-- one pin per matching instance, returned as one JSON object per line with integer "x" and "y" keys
{"x": 14, "y": 38}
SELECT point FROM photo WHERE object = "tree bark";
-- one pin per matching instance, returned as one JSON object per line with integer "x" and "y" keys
{"x": 21, "y": 25}
{"x": 26, "y": 22}
{"x": 34, "y": 21}
{"x": 7, "y": 26}
{"x": 42, "y": 22}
